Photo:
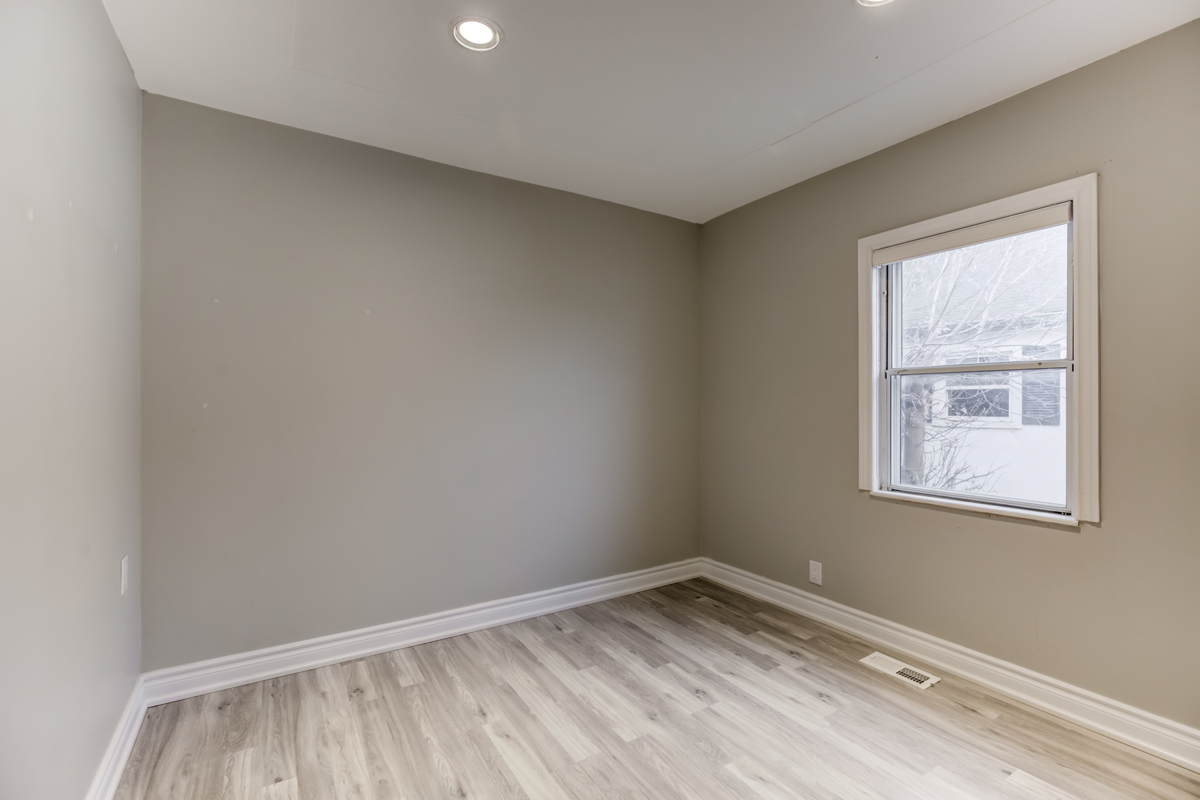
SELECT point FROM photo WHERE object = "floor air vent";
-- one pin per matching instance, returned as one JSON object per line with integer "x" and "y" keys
{"x": 901, "y": 670}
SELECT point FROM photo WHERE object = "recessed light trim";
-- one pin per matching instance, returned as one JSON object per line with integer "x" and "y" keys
{"x": 871, "y": 3}
{"x": 476, "y": 33}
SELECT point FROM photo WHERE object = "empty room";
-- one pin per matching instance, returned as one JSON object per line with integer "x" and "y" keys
{"x": 529, "y": 400}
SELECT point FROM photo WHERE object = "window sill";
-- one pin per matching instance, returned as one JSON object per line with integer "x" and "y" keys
{"x": 979, "y": 508}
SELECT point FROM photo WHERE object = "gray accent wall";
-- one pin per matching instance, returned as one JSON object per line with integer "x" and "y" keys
{"x": 1111, "y": 607}
{"x": 377, "y": 387}
{"x": 70, "y": 166}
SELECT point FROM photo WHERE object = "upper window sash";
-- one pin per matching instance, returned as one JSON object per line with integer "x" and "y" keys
{"x": 892, "y": 299}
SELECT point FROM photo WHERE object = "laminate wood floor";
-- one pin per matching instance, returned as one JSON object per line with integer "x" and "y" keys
{"x": 688, "y": 692}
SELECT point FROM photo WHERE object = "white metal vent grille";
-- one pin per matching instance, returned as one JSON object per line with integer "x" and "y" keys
{"x": 901, "y": 670}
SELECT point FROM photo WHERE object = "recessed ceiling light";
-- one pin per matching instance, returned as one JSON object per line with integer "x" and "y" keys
{"x": 873, "y": 2}
{"x": 476, "y": 33}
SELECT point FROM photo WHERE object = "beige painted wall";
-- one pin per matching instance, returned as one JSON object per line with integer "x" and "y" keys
{"x": 377, "y": 387}
{"x": 1112, "y": 608}
{"x": 69, "y": 509}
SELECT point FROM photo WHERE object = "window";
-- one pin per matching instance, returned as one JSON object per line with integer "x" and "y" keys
{"x": 978, "y": 358}
{"x": 978, "y": 402}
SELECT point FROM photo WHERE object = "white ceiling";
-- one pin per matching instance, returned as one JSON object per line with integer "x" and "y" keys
{"x": 685, "y": 107}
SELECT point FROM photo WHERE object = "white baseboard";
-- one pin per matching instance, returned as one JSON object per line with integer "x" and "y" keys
{"x": 104, "y": 785}
{"x": 1170, "y": 740}
{"x": 191, "y": 680}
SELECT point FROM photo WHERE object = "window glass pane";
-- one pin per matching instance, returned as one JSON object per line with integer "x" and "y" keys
{"x": 996, "y": 435}
{"x": 1004, "y": 300}
{"x": 977, "y": 402}
{"x": 1041, "y": 394}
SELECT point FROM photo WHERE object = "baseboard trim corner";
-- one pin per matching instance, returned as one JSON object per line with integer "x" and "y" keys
{"x": 1173, "y": 741}
{"x": 108, "y": 775}
{"x": 191, "y": 680}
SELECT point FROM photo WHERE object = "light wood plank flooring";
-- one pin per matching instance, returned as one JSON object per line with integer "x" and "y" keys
{"x": 689, "y": 692}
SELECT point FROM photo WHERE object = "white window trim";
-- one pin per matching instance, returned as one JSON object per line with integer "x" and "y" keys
{"x": 1083, "y": 395}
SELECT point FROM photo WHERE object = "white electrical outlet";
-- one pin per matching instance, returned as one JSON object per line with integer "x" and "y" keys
{"x": 814, "y": 572}
{"x": 124, "y": 575}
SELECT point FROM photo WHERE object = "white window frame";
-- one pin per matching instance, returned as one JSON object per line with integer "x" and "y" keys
{"x": 1081, "y": 409}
